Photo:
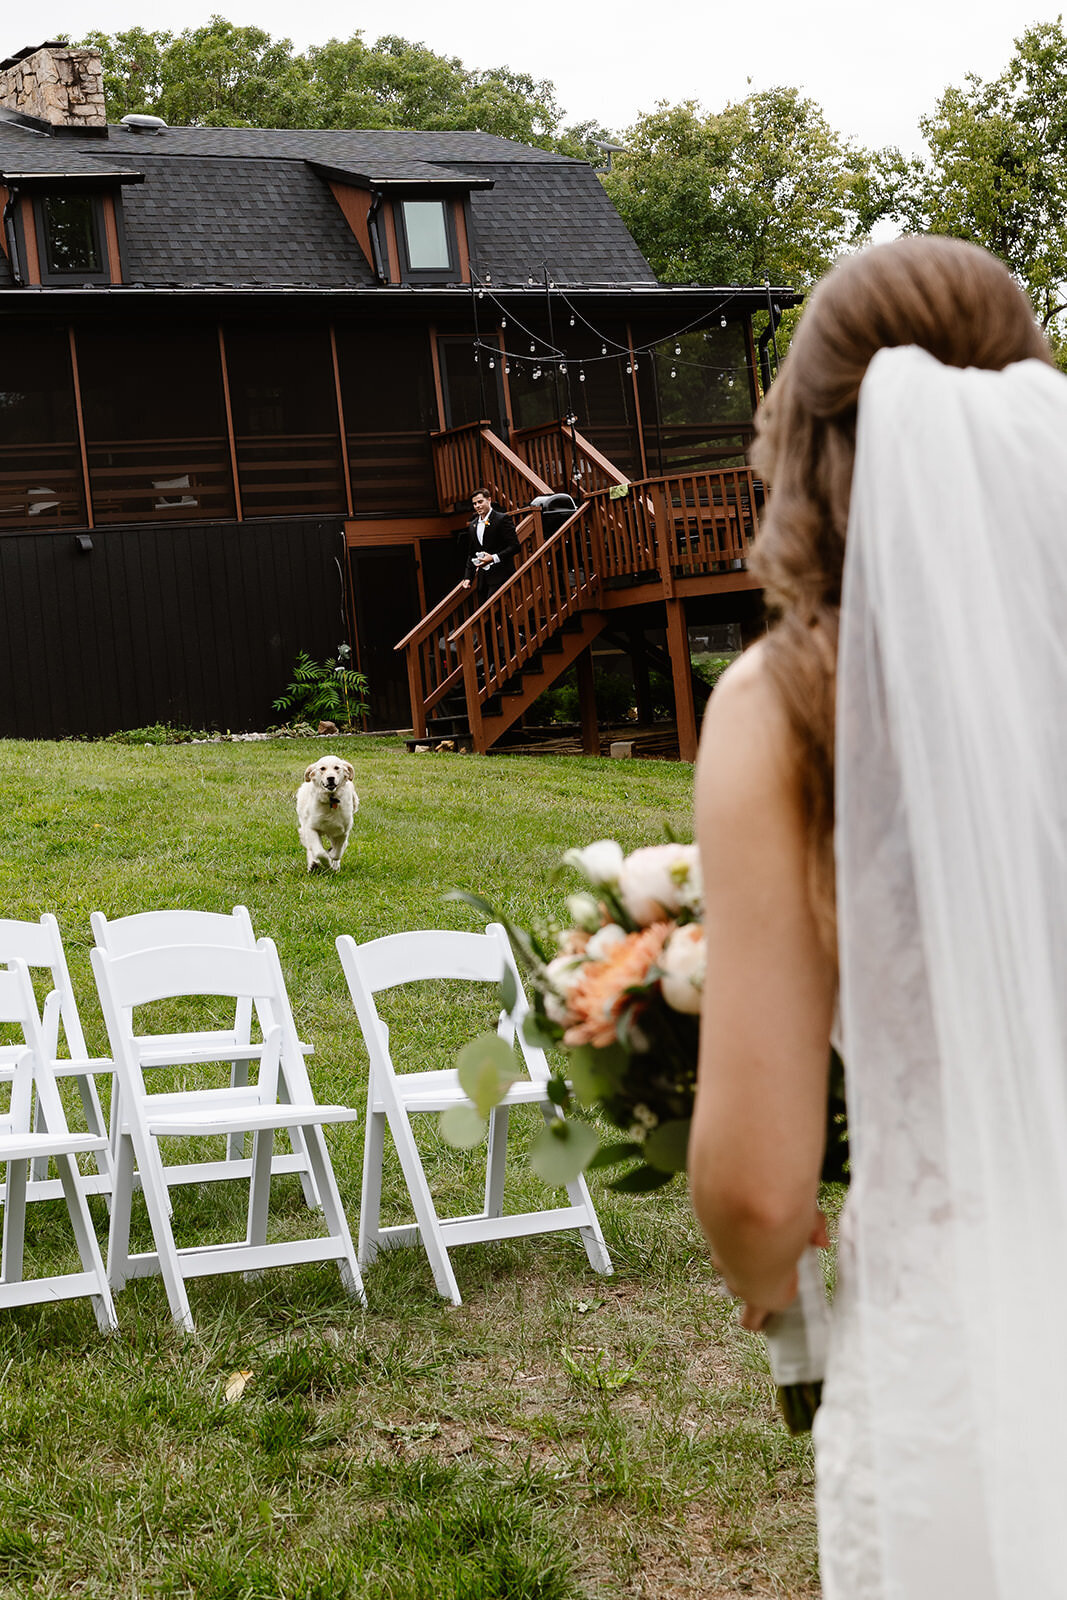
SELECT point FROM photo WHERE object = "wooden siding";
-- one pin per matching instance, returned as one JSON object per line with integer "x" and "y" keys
{"x": 195, "y": 624}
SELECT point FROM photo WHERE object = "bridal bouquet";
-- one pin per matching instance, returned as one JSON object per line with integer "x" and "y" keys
{"x": 618, "y": 992}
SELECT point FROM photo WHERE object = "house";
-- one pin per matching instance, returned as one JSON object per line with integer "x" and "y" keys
{"x": 251, "y": 377}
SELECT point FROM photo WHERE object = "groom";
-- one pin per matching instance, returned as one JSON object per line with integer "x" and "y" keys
{"x": 492, "y": 545}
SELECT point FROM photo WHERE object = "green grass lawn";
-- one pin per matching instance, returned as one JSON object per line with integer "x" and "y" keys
{"x": 559, "y": 1435}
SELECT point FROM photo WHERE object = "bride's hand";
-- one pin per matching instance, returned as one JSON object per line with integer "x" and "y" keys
{"x": 754, "y": 1318}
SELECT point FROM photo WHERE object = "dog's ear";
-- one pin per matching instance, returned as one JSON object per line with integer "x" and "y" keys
{"x": 310, "y": 772}
{"x": 350, "y": 771}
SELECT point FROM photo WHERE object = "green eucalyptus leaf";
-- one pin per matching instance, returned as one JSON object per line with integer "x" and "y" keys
{"x": 509, "y": 990}
{"x": 667, "y": 1147}
{"x": 537, "y": 1030}
{"x": 595, "y": 1073}
{"x": 462, "y": 1127}
{"x": 561, "y": 1151}
{"x": 609, "y": 1155}
{"x": 642, "y": 1180}
{"x": 487, "y": 1068}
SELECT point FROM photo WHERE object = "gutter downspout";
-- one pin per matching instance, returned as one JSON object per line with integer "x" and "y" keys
{"x": 12, "y": 239}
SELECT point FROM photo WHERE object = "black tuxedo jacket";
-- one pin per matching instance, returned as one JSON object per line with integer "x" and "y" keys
{"x": 500, "y": 540}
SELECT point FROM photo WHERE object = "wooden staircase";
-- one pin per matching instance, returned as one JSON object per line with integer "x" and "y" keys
{"x": 473, "y": 670}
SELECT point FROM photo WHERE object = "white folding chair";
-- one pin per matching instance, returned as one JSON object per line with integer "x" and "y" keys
{"x": 21, "y": 1146}
{"x": 39, "y": 944}
{"x": 127, "y": 982}
{"x": 392, "y": 1097}
{"x": 157, "y": 930}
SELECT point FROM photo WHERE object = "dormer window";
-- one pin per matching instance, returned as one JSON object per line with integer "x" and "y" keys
{"x": 71, "y": 239}
{"x": 427, "y": 237}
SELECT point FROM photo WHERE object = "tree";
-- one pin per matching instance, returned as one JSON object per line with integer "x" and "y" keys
{"x": 226, "y": 75}
{"x": 762, "y": 189}
{"x": 997, "y": 170}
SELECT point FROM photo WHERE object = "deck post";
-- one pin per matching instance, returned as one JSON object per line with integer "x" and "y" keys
{"x": 587, "y": 703}
{"x": 682, "y": 673}
{"x": 642, "y": 688}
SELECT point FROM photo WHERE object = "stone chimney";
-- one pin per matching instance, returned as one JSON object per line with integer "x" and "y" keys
{"x": 56, "y": 83}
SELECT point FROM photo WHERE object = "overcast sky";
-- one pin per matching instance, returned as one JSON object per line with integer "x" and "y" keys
{"x": 873, "y": 69}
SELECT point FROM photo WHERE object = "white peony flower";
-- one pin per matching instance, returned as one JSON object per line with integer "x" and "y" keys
{"x": 683, "y": 962}
{"x": 603, "y": 943}
{"x": 562, "y": 973}
{"x": 584, "y": 912}
{"x": 654, "y": 880}
{"x": 599, "y": 862}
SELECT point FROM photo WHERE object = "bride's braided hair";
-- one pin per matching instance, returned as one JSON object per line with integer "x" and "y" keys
{"x": 950, "y": 298}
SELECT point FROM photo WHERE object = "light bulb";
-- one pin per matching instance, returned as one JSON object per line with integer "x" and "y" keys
{"x": 581, "y": 377}
{"x": 673, "y": 373}
{"x": 677, "y": 349}
{"x": 722, "y": 322}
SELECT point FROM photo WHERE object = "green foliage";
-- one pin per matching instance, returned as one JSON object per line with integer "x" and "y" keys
{"x": 330, "y": 690}
{"x": 229, "y": 76}
{"x": 997, "y": 170}
{"x": 762, "y": 189}
{"x": 156, "y": 733}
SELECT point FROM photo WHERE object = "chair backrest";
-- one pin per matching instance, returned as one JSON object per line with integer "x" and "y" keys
{"x": 40, "y": 944}
{"x": 156, "y": 930}
{"x": 145, "y": 976}
{"x": 433, "y": 953}
{"x": 18, "y": 1006}
{"x": 153, "y": 930}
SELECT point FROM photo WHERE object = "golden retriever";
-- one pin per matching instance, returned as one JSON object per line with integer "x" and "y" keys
{"x": 326, "y": 802}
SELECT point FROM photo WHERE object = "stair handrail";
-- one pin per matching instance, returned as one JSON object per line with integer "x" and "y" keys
{"x": 589, "y": 468}
{"x": 515, "y": 482}
{"x": 440, "y": 623}
{"x": 511, "y": 630}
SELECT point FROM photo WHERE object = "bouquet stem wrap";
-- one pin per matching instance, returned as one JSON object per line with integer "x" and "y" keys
{"x": 798, "y": 1340}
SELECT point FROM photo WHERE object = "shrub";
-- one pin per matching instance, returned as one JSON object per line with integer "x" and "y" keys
{"x": 325, "y": 690}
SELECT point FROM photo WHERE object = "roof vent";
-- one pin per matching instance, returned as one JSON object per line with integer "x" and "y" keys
{"x": 141, "y": 122}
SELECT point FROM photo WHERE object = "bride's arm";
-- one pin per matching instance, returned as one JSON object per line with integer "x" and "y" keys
{"x": 760, "y": 1115}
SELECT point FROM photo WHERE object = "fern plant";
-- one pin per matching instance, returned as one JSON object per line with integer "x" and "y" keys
{"x": 325, "y": 691}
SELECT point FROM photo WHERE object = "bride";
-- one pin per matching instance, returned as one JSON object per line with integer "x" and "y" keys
{"x": 881, "y": 803}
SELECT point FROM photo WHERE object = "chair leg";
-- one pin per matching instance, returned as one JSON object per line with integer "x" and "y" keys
{"x": 496, "y": 1161}
{"x": 259, "y": 1187}
{"x": 235, "y": 1143}
{"x": 85, "y": 1237}
{"x": 370, "y": 1203}
{"x": 118, "y": 1243}
{"x": 154, "y": 1189}
{"x": 333, "y": 1211}
{"x": 592, "y": 1237}
{"x": 14, "y": 1221}
{"x": 425, "y": 1213}
{"x": 94, "y": 1121}
{"x": 39, "y": 1170}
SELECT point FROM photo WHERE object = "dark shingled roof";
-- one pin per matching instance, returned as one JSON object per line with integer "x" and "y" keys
{"x": 251, "y": 207}
{"x": 261, "y": 223}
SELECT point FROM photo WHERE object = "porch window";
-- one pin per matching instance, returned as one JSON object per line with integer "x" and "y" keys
{"x": 428, "y": 240}
{"x": 70, "y": 238}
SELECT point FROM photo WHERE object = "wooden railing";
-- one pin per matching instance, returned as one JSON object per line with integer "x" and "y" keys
{"x": 156, "y": 480}
{"x": 40, "y": 486}
{"x": 284, "y": 474}
{"x": 557, "y": 581}
{"x": 391, "y": 472}
{"x": 661, "y": 530}
{"x": 472, "y": 457}
{"x": 432, "y": 659}
{"x": 689, "y": 525}
{"x": 557, "y": 452}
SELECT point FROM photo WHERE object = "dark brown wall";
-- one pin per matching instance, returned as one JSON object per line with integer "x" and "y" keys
{"x": 195, "y": 624}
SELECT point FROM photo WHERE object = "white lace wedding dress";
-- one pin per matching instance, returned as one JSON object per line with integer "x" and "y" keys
{"x": 941, "y": 1445}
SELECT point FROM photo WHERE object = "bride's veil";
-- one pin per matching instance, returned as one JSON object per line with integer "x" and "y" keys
{"x": 951, "y": 840}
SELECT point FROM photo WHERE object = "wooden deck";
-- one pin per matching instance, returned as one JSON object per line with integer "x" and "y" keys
{"x": 661, "y": 539}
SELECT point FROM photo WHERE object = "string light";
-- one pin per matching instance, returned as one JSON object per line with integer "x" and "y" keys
{"x": 507, "y": 366}
{"x": 581, "y": 375}
{"x": 673, "y": 373}
{"x": 722, "y": 322}
{"x": 677, "y": 350}
{"x": 492, "y": 363}
{"x": 629, "y": 369}
{"x": 533, "y": 348}
{"x": 537, "y": 372}
{"x": 503, "y": 322}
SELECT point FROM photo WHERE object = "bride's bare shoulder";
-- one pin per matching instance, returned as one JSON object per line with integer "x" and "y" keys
{"x": 746, "y": 729}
